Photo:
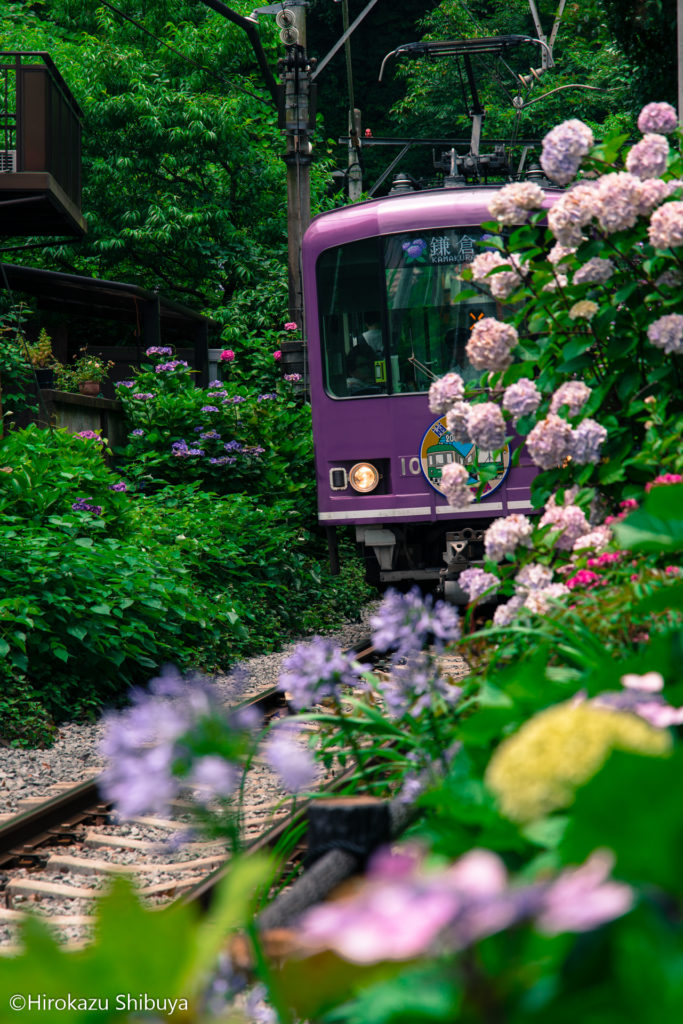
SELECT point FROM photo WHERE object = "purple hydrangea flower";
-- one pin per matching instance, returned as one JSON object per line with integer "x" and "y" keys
{"x": 289, "y": 758}
{"x": 90, "y": 435}
{"x": 569, "y": 519}
{"x": 563, "y": 149}
{"x": 405, "y": 622}
{"x": 236, "y": 399}
{"x": 456, "y": 421}
{"x": 120, "y": 486}
{"x": 582, "y": 898}
{"x": 82, "y": 506}
{"x": 222, "y": 460}
{"x": 486, "y": 426}
{"x": 262, "y": 398}
{"x": 142, "y": 396}
{"x": 216, "y": 383}
{"x": 317, "y": 670}
{"x": 521, "y": 399}
{"x": 550, "y": 442}
{"x": 209, "y": 408}
{"x": 125, "y": 384}
{"x": 138, "y": 432}
{"x": 667, "y": 333}
{"x": 170, "y": 367}
{"x": 292, "y": 378}
{"x": 658, "y": 117}
{"x": 476, "y": 582}
{"x": 648, "y": 158}
{"x": 233, "y": 446}
{"x": 533, "y": 577}
{"x": 573, "y": 393}
{"x": 504, "y": 535}
{"x": 159, "y": 350}
{"x": 455, "y": 484}
{"x": 587, "y": 441}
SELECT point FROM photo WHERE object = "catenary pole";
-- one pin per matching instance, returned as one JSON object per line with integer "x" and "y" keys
{"x": 679, "y": 24}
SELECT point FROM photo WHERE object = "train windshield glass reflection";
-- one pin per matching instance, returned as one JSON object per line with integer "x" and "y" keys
{"x": 388, "y": 320}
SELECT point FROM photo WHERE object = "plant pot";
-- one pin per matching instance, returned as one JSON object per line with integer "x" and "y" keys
{"x": 45, "y": 376}
{"x": 89, "y": 387}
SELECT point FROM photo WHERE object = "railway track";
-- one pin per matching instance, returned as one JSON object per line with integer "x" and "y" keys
{"x": 55, "y": 857}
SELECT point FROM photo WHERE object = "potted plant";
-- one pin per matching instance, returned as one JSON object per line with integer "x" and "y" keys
{"x": 85, "y": 374}
{"x": 42, "y": 360}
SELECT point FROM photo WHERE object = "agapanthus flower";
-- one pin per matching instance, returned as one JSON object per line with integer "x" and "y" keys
{"x": 504, "y": 535}
{"x": 648, "y": 158}
{"x": 456, "y": 421}
{"x": 486, "y": 426}
{"x": 490, "y": 344}
{"x": 512, "y": 203}
{"x": 571, "y": 213}
{"x": 227, "y": 355}
{"x": 213, "y": 777}
{"x": 317, "y": 670}
{"x": 550, "y": 442}
{"x": 405, "y": 622}
{"x": 563, "y": 149}
{"x": 521, "y": 398}
{"x": 454, "y": 483}
{"x": 587, "y": 441}
{"x": 569, "y": 519}
{"x": 666, "y": 226}
{"x": 667, "y": 333}
{"x": 289, "y": 758}
{"x": 594, "y": 271}
{"x": 476, "y": 581}
{"x": 618, "y": 201}
{"x": 444, "y": 392}
{"x": 658, "y": 117}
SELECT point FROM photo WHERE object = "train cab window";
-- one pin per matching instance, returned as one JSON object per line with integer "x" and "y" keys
{"x": 350, "y": 304}
{"x": 428, "y": 332}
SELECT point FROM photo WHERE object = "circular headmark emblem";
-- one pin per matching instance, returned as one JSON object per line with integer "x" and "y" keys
{"x": 439, "y": 447}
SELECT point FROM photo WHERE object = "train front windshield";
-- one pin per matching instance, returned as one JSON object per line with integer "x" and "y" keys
{"x": 388, "y": 320}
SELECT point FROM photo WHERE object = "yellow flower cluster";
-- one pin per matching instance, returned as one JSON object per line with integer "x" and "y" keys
{"x": 538, "y": 769}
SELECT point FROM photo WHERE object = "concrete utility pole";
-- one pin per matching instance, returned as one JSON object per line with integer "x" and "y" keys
{"x": 297, "y": 120}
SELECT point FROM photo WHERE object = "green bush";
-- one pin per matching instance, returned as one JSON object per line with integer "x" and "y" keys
{"x": 24, "y": 721}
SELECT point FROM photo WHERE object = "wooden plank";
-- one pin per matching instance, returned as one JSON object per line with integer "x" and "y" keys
{"x": 29, "y": 886}
{"x": 85, "y": 866}
{"x": 95, "y": 838}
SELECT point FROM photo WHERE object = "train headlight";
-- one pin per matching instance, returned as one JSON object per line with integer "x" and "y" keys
{"x": 363, "y": 477}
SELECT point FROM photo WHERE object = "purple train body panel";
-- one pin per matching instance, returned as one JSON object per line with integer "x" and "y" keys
{"x": 379, "y": 280}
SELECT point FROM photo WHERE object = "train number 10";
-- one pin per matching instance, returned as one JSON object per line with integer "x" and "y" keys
{"x": 414, "y": 467}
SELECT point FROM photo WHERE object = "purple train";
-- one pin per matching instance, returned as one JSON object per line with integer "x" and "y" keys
{"x": 380, "y": 278}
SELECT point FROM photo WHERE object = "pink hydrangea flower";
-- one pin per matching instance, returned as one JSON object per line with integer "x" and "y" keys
{"x": 227, "y": 355}
{"x": 666, "y": 226}
{"x": 277, "y": 355}
{"x": 658, "y": 117}
{"x": 667, "y": 333}
{"x": 490, "y": 344}
{"x": 550, "y": 442}
{"x": 569, "y": 519}
{"x": 486, "y": 426}
{"x": 585, "y": 578}
{"x": 582, "y": 899}
{"x": 521, "y": 399}
{"x": 664, "y": 478}
{"x": 291, "y": 326}
{"x": 456, "y": 421}
{"x": 648, "y": 158}
{"x": 476, "y": 582}
{"x": 594, "y": 271}
{"x": 444, "y": 392}
{"x": 587, "y": 441}
{"x": 540, "y": 601}
{"x": 596, "y": 540}
{"x": 618, "y": 201}
{"x": 533, "y": 577}
{"x": 513, "y": 203}
{"x": 571, "y": 213}
{"x": 573, "y": 393}
{"x": 454, "y": 479}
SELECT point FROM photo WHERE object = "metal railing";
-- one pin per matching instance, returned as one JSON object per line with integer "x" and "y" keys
{"x": 40, "y": 121}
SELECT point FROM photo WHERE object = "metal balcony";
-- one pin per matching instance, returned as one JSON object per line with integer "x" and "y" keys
{"x": 40, "y": 149}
